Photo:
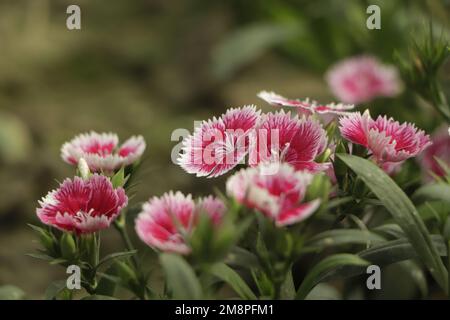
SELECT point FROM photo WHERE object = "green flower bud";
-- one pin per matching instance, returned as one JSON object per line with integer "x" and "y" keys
{"x": 68, "y": 247}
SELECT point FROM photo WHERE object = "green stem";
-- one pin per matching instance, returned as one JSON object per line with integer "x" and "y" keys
{"x": 120, "y": 226}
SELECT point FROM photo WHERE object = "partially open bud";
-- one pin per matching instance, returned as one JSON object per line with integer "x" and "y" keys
{"x": 68, "y": 247}
{"x": 83, "y": 168}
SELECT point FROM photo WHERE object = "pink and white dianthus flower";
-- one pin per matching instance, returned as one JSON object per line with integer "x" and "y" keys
{"x": 386, "y": 139}
{"x": 306, "y": 105}
{"x": 82, "y": 206}
{"x": 282, "y": 138}
{"x": 102, "y": 151}
{"x": 276, "y": 190}
{"x": 440, "y": 149}
{"x": 166, "y": 222}
{"x": 219, "y": 144}
{"x": 362, "y": 78}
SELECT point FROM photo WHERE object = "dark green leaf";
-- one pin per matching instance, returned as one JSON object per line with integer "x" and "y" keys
{"x": 437, "y": 191}
{"x": 54, "y": 289}
{"x": 340, "y": 237}
{"x": 315, "y": 276}
{"x": 180, "y": 277}
{"x": 403, "y": 211}
{"x": 110, "y": 258}
{"x": 231, "y": 277}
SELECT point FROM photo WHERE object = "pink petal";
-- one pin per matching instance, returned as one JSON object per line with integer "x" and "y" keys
{"x": 355, "y": 127}
{"x": 297, "y": 214}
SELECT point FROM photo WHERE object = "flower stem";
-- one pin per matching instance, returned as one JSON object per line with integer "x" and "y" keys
{"x": 121, "y": 227}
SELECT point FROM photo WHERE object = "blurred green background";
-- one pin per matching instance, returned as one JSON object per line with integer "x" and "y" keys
{"x": 151, "y": 66}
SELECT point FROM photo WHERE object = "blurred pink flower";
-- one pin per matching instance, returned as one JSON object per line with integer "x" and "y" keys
{"x": 439, "y": 149}
{"x": 277, "y": 190}
{"x": 387, "y": 140}
{"x": 362, "y": 78}
{"x": 82, "y": 206}
{"x": 101, "y": 151}
{"x": 165, "y": 222}
{"x": 282, "y": 138}
{"x": 306, "y": 105}
{"x": 218, "y": 145}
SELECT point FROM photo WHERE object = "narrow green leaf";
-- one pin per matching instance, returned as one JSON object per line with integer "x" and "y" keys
{"x": 324, "y": 291}
{"x": 246, "y": 44}
{"x": 315, "y": 275}
{"x": 390, "y": 230}
{"x": 40, "y": 256}
{"x": 241, "y": 257}
{"x": 437, "y": 191}
{"x": 105, "y": 285}
{"x": 287, "y": 291}
{"x": 118, "y": 180}
{"x": 231, "y": 277}
{"x": 415, "y": 272}
{"x": 115, "y": 256}
{"x": 332, "y": 238}
{"x": 180, "y": 277}
{"x": 55, "y": 288}
{"x": 403, "y": 212}
{"x": 384, "y": 254}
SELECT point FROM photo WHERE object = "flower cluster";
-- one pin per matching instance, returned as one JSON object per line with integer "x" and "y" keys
{"x": 220, "y": 144}
{"x": 90, "y": 203}
{"x": 287, "y": 159}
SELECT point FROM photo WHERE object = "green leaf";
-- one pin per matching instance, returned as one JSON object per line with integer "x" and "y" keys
{"x": 287, "y": 290}
{"x": 403, "y": 212}
{"x": 180, "y": 277}
{"x": 390, "y": 230}
{"x": 437, "y": 191}
{"x": 416, "y": 274}
{"x": 384, "y": 254}
{"x": 324, "y": 291}
{"x": 40, "y": 256}
{"x": 105, "y": 285}
{"x": 246, "y": 44}
{"x": 341, "y": 237}
{"x": 9, "y": 292}
{"x": 110, "y": 258}
{"x": 241, "y": 257}
{"x": 228, "y": 275}
{"x": 315, "y": 275}
{"x": 58, "y": 261}
{"x": 119, "y": 180}
{"x": 54, "y": 289}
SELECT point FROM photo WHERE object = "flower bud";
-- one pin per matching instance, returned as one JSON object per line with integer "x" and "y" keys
{"x": 319, "y": 188}
{"x": 83, "y": 168}
{"x": 68, "y": 246}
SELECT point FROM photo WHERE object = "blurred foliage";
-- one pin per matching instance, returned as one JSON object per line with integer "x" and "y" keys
{"x": 151, "y": 66}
